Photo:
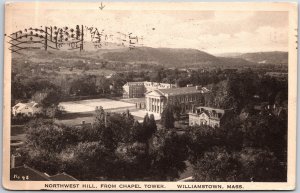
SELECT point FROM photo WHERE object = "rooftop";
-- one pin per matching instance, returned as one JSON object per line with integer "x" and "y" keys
{"x": 30, "y": 104}
{"x": 211, "y": 109}
{"x": 27, "y": 173}
{"x": 213, "y": 113}
{"x": 183, "y": 90}
{"x": 62, "y": 177}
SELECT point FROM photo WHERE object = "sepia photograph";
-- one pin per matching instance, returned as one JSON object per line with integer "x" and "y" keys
{"x": 150, "y": 96}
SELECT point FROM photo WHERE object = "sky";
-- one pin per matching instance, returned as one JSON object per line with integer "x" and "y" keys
{"x": 211, "y": 31}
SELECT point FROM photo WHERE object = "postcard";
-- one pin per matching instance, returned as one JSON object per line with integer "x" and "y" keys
{"x": 150, "y": 96}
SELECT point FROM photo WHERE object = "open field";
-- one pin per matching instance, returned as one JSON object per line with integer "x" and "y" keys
{"x": 83, "y": 110}
{"x": 90, "y": 105}
{"x": 134, "y": 100}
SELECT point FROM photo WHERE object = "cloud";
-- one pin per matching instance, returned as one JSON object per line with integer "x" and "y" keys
{"x": 211, "y": 31}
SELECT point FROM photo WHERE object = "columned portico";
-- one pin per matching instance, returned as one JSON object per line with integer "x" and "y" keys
{"x": 154, "y": 102}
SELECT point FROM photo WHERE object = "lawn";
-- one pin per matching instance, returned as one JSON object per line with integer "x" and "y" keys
{"x": 83, "y": 110}
{"x": 90, "y": 105}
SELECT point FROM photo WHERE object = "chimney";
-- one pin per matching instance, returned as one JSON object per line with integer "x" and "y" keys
{"x": 83, "y": 122}
{"x": 13, "y": 161}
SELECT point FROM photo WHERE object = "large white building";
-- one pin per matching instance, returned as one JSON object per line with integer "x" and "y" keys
{"x": 138, "y": 89}
{"x": 206, "y": 116}
{"x": 184, "y": 97}
{"x": 28, "y": 109}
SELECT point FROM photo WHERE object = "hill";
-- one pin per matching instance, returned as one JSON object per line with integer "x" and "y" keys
{"x": 162, "y": 56}
{"x": 167, "y": 57}
{"x": 174, "y": 57}
{"x": 266, "y": 57}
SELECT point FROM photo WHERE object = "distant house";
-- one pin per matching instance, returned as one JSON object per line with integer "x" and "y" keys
{"x": 28, "y": 109}
{"x": 26, "y": 173}
{"x": 206, "y": 116}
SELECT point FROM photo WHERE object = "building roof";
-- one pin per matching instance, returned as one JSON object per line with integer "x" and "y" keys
{"x": 188, "y": 179}
{"x": 62, "y": 177}
{"x": 155, "y": 93}
{"x": 21, "y": 105}
{"x": 212, "y": 113}
{"x": 31, "y": 104}
{"x": 134, "y": 84}
{"x": 27, "y": 173}
{"x": 183, "y": 90}
{"x": 211, "y": 109}
{"x": 147, "y": 83}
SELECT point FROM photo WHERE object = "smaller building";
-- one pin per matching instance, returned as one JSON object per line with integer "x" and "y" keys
{"x": 138, "y": 89}
{"x": 134, "y": 90}
{"x": 26, "y": 173}
{"x": 206, "y": 116}
{"x": 28, "y": 109}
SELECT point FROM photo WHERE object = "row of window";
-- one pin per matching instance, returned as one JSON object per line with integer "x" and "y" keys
{"x": 190, "y": 98}
{"x": 203, "y": 122}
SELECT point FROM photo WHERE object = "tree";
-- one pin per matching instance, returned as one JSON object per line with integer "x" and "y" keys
{"x": 86, "y": 160}
{"x": 156, "y": 76}
{"x": 143, "y": 132}
{"x": 217, "y": 165}
{"x": 83, "y": 86}
{"x": 45, "y": 141}
{"x": 46, "y": 136}
{"x": 169, "y": 152}
{"x": 167, "y": 117}
{"x": 137, "y": 132}
{"x": 261, "y": 165}
{"x": 128, "y": 118}
{"x": 133, "y": 161}
{"x": 201, "y": 139}
{"x": 102, "y": 85}
{"x": 152, "y": 125}
{"x": 99, "y": 117}
{"x": 260, "y": 131}
{"x": 107, "y": 138}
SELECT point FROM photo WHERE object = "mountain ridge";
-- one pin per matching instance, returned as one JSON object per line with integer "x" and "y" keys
{"x": 167, "y": 57}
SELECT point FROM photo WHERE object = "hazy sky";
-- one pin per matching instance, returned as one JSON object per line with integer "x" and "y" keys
{"x": 211, "y": 31}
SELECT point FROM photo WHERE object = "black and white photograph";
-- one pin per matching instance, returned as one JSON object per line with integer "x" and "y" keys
{"x": 150, "y": 96}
